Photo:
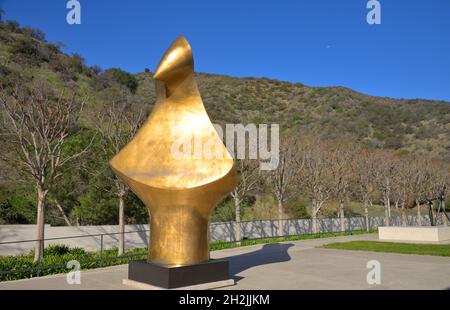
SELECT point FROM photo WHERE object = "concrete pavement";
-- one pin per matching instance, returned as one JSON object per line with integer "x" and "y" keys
{"x": 290, "y": 265}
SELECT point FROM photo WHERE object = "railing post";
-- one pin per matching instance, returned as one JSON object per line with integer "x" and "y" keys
{"x": 101, "y": 249}
{"x": 43, "y": 254}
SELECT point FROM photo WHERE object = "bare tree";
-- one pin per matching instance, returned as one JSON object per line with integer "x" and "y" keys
{"x": 283, "y": 176}
{"x": 315, "y": 176}
{"x": 364, "y": 177}
{"x": 439, "y": 185}
{"x": 249, "y": 179}
{"x": 420, "y": 177}
{"x": 37, "y": 124}
{"x": 340, "y": 168}
{"x": 403, "y": 190}
{"x": 385, "y": 178}
{"x": 117, "y": 124}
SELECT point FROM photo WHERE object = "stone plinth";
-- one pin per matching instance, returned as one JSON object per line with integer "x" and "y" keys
{"x": 419, "y": 234}
{"x": 149, "y": 275}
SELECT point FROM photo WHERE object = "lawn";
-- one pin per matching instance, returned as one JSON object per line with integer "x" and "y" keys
{"x": 392, "y": 247}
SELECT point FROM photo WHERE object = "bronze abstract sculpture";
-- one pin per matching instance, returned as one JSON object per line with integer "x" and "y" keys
{"x": 180, "y": 193}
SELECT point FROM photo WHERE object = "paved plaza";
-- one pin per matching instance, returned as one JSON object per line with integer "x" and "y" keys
{"x": 290, "y": 265}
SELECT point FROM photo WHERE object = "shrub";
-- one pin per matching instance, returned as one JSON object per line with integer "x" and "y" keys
{"x": 124, "y": 78}
{"x": 27, "y": 52}
{"x": 56, "y": 249}
{"x": 12, "y": 26}
{"x": 4, "y": 70}
{"x": 297, "y": 209}
{"x": 76, "y": 63}
{"x": 8, "y": 214}
{"x": 17, "y": 207}
{"x": 394, "y": 142}
{"x": 34, "y": 33}
{"x": 96, "y": 69}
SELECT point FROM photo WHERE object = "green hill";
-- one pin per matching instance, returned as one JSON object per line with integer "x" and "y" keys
{"x": 334, "y": 112}
{"x": 337, "y": 113}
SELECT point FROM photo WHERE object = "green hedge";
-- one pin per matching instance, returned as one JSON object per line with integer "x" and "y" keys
{"x": 57, "y": 256}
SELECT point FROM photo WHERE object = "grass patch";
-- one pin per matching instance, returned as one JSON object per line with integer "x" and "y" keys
{"x": 392, "y": 247}
{"x": 220, "y": 245}
{"x": 16, "y": 267}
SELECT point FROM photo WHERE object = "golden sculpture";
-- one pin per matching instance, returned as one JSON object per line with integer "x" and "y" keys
{"x": 180, "y": 192}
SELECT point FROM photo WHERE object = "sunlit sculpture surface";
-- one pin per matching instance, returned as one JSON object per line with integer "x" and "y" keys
{"x": 180, "y": 193}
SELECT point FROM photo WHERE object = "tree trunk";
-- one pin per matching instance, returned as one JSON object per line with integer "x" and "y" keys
{"x": 280, "y": 218}
{"x": 389, "y": 208}
{"x": 444, "y": 212}
{"x": 419, "y": 215}
{"x": 404, "y": 215}
{"x": 66, "y": 219}
{"x": 444, "y": 219}
{"x": 237, "y": 229}
{"x": 387, "y": 213}
{"x": 314, "y": 229}
{"x": 342, "y": 215}
{"x": 121, "y": 224}
{"x": 40, "y": 225}
{"x": 366, "y": 215}
{"x": 432, "y": 215}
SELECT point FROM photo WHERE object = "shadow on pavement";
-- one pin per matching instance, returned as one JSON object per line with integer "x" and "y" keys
{"x": 268, "y": 254}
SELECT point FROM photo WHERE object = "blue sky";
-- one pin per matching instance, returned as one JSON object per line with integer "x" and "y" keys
{"x": 315, "y": 42}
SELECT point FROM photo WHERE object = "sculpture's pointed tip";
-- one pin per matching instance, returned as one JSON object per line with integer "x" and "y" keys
{"x": 181, "y": 39}
{"x": 176, "y": 61}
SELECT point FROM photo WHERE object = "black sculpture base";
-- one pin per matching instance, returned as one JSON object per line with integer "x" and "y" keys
{"x": 175, "y": 277}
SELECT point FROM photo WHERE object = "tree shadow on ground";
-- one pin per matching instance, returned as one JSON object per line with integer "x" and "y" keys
{"x": 268, "y": 254}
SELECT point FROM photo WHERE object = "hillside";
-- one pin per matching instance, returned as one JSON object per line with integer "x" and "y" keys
{"x": 337, "y": 113}
{"x": 334, "y": 112}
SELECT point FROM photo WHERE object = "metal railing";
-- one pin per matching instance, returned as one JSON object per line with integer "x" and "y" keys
{"x": 38, "y": 267}
{"x": 42, "y": 268}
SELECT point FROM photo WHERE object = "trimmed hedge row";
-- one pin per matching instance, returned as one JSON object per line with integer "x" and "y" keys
{"x": 55, "y": 259}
